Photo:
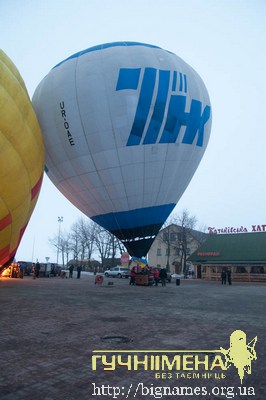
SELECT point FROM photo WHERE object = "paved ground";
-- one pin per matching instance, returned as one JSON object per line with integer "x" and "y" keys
{"x": 49, "y": 328}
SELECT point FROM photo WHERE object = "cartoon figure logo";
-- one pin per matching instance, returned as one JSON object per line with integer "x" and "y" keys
{"x": 240, "y": 354}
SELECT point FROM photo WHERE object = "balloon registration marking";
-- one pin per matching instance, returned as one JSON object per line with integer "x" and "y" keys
{"x": 66, "y": 124}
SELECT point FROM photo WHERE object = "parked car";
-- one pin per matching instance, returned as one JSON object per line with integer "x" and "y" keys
{"x": 55, "y": 270}
{"x": 118, "y": 272}
{"x": 179, "y": 276}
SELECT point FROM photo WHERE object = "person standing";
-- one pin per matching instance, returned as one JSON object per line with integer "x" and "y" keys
{"x": 37, "y": 269}
{"x": 132, "y": 276}
{"x": 156, "y": 276}
{"x": 21, "y": 270}
{"x": 163, "y": 276}
{"x": 33, "y": 270}
{"x": 228, "y": 273}
{"x": 79, "y": 268}
{"x": 223, "y": 277}
{"x": 71, "y": 269}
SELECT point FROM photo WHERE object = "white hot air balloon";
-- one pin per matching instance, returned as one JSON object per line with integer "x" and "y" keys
{"x": 125, "y": 126}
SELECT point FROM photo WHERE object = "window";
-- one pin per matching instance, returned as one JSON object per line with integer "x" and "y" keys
{"x": 257, "y": 270}
{"x": 173, "y": 236}
{"x": 180, "y": 237}
{"x": 159, "y": 252}
{"x": 241, "y": 270}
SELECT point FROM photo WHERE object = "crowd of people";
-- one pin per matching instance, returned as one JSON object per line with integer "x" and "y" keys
{"x": 154, "y": 275}
{"x": 71, "y": 269}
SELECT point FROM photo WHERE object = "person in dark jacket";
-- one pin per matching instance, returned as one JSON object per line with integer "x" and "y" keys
{"x": 163, "y": 276}
{"x": 223, "y": 277}
{"x": 228, "y": 273}
{"x": 132, "y": 276}
{"x": 71, "y": 269}
{"x": 79, "y": 268}
{"x": 37, "y": 269}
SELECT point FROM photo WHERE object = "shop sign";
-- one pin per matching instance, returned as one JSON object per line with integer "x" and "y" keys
{"x": 241, "y": 229}
{"x": 124, "y": 258}
{"x": 228, "y": 230}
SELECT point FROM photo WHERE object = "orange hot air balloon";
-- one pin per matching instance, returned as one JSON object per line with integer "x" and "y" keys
{"x": 21, "y": 159}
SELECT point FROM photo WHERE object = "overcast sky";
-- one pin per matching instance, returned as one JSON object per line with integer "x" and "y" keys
{"x": 224, "y": 41}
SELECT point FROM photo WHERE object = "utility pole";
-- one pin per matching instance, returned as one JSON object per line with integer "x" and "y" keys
{"x": 60, "y": 220}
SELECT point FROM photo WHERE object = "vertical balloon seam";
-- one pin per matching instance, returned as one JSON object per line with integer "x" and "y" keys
{"x": 114, "y": 136}
{"x": 85, "y": 136}
{"x": 156, "y": 114}
{"x": 83, "y": 129}
{"x": 61, "y": 139}
{"x": 172, "y": 84}
{"x": 34, "y": 185}
{"x": 113, "y": 212}
{"x": 147, "y": 124}
{"x": 162, "y": 176}
{"x": 11, "y": 66}
{"x": 27, "y": 127}
{"x": 141, "y": 229}
{"x": 146, "y": 141}
{"x": 123, "y": 179}
{"x": 170, "y": 79}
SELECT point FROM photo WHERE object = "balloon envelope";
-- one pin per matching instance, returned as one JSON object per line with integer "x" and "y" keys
{"x": 125, "y": 126}
{"x": 21, "y": 159}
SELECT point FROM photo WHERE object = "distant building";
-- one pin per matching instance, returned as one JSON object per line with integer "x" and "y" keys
{"x": 173, "y": 245}
{"x": 244, "y": 254}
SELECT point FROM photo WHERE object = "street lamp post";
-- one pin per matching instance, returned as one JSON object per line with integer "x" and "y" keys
{"x": 67, "y": 250}
{"x": 60, "y": 220}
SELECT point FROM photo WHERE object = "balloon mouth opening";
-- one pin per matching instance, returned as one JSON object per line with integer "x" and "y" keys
{"x": 138, "y": 246}
{"x": 136, "y": 239}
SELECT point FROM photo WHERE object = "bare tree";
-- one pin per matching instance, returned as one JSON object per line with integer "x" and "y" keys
{"x": 87, "y": 236}
{"x": 61, "y": 243}
{"x": 65, "y": 241}
{"x": 107, "y": 245}
{"x": 54, "y": 241}
{"x": 186, "y": 223}
{"x": 74, "y": 241}
{"x": 116, "y": 247}
{"x": 103, "y": 243}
